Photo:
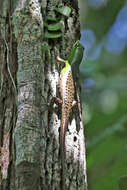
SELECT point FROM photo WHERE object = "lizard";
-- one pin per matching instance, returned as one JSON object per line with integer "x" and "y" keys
{"x": 67, "y": 91}
{"x": 66, "y": 86}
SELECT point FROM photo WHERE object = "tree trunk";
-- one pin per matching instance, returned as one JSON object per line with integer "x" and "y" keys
{"x": 29, "y": 79}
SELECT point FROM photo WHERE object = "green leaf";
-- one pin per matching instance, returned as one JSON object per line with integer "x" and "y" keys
{"x": 53, "y": 35}
{"x": 76, "y": 54}
{"x": 51, "y": 18}
{"x": 54, "y": 26}
{"x": 65, "y": 10}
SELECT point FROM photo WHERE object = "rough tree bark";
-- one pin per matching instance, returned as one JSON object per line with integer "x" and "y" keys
{"x": 29, "y": 78}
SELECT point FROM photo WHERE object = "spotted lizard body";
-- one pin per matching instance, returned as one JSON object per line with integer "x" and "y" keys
{"x": 67, "y": 96}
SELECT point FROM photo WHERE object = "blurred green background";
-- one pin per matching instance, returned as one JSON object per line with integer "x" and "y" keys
{"x": 104, "y": 92}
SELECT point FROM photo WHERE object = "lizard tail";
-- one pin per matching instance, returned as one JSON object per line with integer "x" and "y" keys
{"x": 62, "y": 152}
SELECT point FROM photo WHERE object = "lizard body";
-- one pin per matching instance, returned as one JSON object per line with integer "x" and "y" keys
{"x": 67, "y": 96}
{"x": 67, "y": 91}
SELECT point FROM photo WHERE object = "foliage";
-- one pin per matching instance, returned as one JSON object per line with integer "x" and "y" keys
{"x": 104, "y": 94}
